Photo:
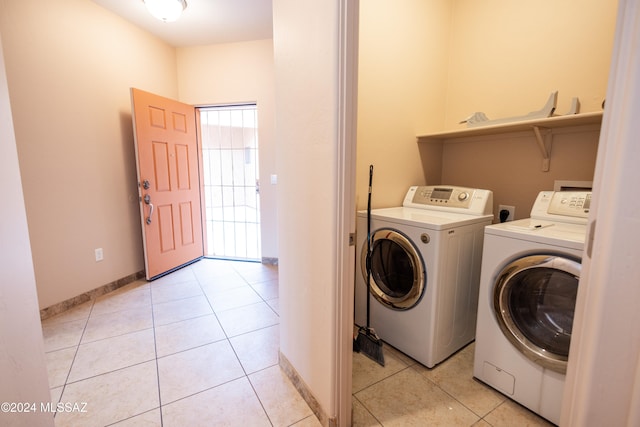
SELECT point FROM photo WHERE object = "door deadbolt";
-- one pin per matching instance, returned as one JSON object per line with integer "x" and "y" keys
{"x": 145, "y": 184}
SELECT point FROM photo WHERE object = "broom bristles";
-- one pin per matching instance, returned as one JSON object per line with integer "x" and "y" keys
{"x": 370, "y": 345}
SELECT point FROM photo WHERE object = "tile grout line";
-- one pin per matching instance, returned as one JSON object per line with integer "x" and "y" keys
{"x": 227, "y": 338}
{"x": 211, "y": 307}
{"x": 75, "y": 355}
{"x": 155, "y": 350}
{"x": 451, "y": 396}
{"x": 93, "y": 313}
{"x": 365, "y": 408}
{"x": 114, "y": 370}
{"x": 383, "y": 379}
{"x": 255, "y": 392}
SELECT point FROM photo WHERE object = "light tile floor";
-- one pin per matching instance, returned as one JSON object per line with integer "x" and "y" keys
{"x": 405, "y": 393}
{"x": 199, "y": 347}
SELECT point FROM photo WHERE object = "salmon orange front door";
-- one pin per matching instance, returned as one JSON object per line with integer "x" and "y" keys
{"x": 168, "y": 180}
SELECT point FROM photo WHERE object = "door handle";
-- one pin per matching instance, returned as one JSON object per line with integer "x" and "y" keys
{"x": 147, "y": 200}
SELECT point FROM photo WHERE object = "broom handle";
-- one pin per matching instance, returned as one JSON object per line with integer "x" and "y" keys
{"x": 368, "y": 259}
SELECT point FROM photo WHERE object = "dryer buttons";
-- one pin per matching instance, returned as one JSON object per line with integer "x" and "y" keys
{"x": 424, "y": 237}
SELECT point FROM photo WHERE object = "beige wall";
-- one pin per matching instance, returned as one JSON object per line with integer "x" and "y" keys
{"x": 401, "y": 90}
{"x": 500, "y": 57}
{"x": 22, "y": 360}
{"x": 305, "y": 58}
{"x": 507, "y": 57}
{"x": 70, "y": 65}
{"x": 511, "y": 165}
{"x": 236, "y": 73}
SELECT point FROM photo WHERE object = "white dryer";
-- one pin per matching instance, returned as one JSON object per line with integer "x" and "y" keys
{"x": 425, "y": 270}
{"x": 528, "y": 286}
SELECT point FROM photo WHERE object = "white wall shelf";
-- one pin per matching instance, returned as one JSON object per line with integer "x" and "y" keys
{"x": 542, "y": 130}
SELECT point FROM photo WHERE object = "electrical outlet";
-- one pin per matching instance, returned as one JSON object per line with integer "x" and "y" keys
{"x": 99, "y": 254}
{"x": 510, "y": 209}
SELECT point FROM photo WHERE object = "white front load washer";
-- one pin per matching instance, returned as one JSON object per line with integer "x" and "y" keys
{"x": 425, "y": 270}
{"x": 528, "y": 286}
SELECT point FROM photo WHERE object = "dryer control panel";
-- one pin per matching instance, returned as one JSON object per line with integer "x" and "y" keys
{"x": 566, "y": 206}
{"x": 471, "y": 201}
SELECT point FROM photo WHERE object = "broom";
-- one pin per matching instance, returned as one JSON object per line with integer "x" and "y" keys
{"x": 367, "y": 341}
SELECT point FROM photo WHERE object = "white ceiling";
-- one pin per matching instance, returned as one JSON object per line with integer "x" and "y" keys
{"x": 203, "y": 22}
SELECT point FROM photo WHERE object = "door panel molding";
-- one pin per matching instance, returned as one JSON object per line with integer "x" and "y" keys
{"x": 166, "y": 145}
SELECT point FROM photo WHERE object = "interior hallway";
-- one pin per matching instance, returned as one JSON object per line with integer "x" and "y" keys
{"x": 199, "y": 347}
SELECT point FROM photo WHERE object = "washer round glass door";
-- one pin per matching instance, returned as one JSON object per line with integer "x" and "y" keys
{"x": 534, "y": 302}
{"x": 397, "y": 269}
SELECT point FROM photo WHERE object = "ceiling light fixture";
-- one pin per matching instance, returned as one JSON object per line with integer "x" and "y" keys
{"x": 166, "y": 10}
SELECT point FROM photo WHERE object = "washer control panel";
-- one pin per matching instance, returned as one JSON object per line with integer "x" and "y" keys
{"x": 450, "y": 198}
{"x": 458, "y": 197}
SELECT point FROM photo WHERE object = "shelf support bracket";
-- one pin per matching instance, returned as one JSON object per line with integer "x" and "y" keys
{"x": 544, "y": 143}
